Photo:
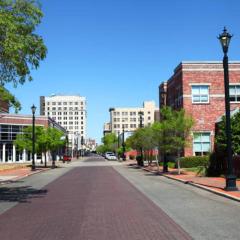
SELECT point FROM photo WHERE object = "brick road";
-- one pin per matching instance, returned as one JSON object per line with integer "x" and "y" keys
{"x": 88, "y": 203}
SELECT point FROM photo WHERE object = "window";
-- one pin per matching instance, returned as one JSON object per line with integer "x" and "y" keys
{"x": 201, "y": 143}
{"x": 234, "y": 92}
{"x": 200, "y": 94}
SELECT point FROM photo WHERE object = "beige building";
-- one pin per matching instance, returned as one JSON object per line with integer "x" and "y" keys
{"x": 70, "y": 111}
{"x": 129, "y": 118}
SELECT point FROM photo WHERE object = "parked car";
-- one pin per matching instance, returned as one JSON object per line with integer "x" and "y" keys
{"x": 110, "y": 156}
{"x": 67, "y": 158}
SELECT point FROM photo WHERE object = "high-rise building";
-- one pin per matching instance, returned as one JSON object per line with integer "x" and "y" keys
{"x": 129, "y": 118}
{"x": 70, "y": 112}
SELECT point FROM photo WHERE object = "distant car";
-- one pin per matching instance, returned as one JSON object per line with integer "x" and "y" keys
{"x": 67, "y": 158}
{"x": 110, "y": 156}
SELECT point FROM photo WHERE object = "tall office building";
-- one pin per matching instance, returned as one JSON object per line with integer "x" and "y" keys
{"x": 70, "y": 112}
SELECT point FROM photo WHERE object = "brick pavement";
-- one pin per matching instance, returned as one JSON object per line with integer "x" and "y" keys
{"x": 89, "y": 203}
{"x": 10, "y": 175}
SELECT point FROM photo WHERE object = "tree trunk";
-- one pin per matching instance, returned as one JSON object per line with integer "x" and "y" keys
{"x": 178, "y": 164}
{"x": 45, "y": 160}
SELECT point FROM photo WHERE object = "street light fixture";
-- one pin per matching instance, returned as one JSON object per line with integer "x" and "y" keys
{"x": 33, "y": 137}
{"x": 123, "y": 144}
{"x": 225, "y": 39}
{"x": 141, "y": 163}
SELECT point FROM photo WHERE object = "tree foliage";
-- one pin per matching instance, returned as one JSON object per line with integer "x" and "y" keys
{"x": 221, "y": 140}
{"x": 47, "y": 139}
{"x": 21, "y": 49}
{"x": 110, "y": 141}
{"x": 170, "y": 135}
{"x": 5, "y": 95}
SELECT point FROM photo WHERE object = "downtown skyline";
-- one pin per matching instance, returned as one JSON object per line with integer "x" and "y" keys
{"x": 117, "y": 54}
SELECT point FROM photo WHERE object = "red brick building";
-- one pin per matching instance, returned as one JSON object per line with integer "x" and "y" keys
{"x": 4, "y": 106}
{"x": 198, "y": 87}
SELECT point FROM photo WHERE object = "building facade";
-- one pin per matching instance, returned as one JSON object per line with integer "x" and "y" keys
{"x": 198, "y": 87}
{"x": 70, "y": 112}
{"x": 13, "y": 124}
{"x": 129, "y": 118}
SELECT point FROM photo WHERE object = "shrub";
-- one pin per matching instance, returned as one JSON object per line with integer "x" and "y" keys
{"x": 170, "y": 164}
{"x": 131, "y": 157}
{"x": 194, "y": 161}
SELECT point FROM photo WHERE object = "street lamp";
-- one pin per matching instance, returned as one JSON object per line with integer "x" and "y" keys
{"x": 225, "y": 39}
{"x": 33, "y": 137}
{"x": 123, "y": 144}
{"x": 141, "y": 163}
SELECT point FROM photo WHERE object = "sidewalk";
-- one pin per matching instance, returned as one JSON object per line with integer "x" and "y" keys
{"x": 11, "y": 175}
{"x": 212, "y": 184}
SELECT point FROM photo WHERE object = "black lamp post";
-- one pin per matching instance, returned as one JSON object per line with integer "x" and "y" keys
{"x": 123, "y": 144}
{"x": 82, "y": 143}
{"x": 118, "y": 139}
{"x": 33, "y": 137}
{"x": 225, "y": 38}
{"x": 141, "y": 163}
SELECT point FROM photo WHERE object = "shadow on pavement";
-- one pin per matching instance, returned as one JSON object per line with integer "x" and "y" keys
{"x": 20, "y": 194}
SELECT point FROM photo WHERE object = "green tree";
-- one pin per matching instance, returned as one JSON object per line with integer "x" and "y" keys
{"x": 47, "y": 139}
{"x": 142, "y": 139}
{"x": 24, "y": 140}
{"x": 10, "y": 99}
{"x": 21, "y": 49}
{"x": 220, "y": 138}
{"x": 54, "y": 141}
{"x": 172, "y": 132}
{"x": 110, "y": 141}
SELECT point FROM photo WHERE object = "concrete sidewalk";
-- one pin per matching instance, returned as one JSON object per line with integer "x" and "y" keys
{"x": 212, "y": 184}
{"x": 12, "y": 175}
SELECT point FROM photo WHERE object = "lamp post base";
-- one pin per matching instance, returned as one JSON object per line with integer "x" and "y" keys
{"x": 231, "y": 183}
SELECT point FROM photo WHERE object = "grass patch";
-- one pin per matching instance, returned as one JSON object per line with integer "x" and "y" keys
{"x": 200, "y": 171}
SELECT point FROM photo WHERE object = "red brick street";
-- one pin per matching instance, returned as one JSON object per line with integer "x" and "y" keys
{"x": 87, "y": 203}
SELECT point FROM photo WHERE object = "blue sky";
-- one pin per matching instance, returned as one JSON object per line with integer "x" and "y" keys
{"x": 116, "y": 53}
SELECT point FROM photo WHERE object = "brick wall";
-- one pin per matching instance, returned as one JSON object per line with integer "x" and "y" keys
{"x": 205, "y": 115}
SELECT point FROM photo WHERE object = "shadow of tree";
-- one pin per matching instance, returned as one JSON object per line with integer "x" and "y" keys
{"x": 20, "y": 194}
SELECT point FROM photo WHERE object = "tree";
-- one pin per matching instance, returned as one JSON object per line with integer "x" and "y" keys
{"x": 20, "y": 48}
{"x": 24, "y": 140}
{"x": 171, "y": 133}
{"x": 110, "y": 141}
{"x": 47, "y": 139}
{"x": 142, "y": 139}
{"x": 220, "y": 138}
{"x": 10, "y": 99}
{"x": 54, "y": 141}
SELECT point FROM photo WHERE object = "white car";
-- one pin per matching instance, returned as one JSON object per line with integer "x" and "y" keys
{"x": 110, "y": 156}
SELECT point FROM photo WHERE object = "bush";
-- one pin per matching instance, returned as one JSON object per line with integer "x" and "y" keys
{"x": 170, "y": 164}
{"x": 131, "y": 157}
{"x": 194, "y": 161}
{"x": 139, "y": 160}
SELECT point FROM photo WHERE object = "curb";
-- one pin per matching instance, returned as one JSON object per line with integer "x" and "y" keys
{"x": 24, "y": 176}
{"x": 198, "y": 186}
